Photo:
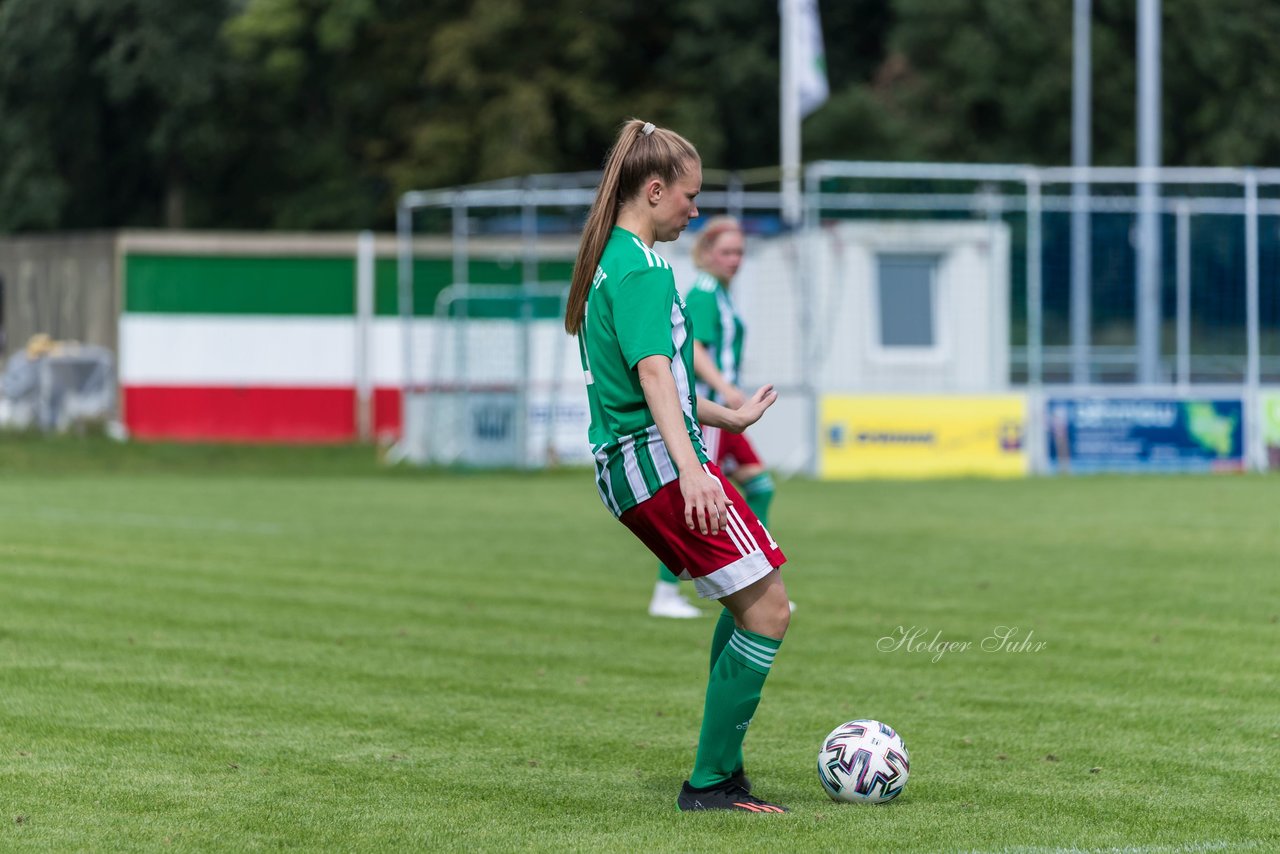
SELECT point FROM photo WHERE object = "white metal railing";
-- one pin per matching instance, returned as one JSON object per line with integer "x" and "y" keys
{"x": 1023, "y": 192}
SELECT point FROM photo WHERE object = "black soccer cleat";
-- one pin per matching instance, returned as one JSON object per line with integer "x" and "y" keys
{"x": 741, "y": 780}
{"x": 725, "y": 796}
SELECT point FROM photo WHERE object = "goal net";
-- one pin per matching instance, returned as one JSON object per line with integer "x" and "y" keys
{"x": 495, "y": 381}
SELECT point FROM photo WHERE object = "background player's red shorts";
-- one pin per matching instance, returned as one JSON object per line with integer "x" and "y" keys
{"x": 730, "y": 451}
{"x": 725, "y": 563}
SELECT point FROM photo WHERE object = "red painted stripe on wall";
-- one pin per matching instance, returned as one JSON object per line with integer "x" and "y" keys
{"x": 253, "y": 414}
{"x": 386, "y": 412}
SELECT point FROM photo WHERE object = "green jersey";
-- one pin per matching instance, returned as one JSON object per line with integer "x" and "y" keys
{"x": 718, "y": 328}
{"x": 633, "y": 311}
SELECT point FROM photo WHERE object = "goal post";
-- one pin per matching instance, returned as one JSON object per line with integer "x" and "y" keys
{"x": 494, "y": 381}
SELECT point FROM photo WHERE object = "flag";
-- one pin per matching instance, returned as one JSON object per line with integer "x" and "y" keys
{"x": 803, "y": 89}
{"x": 810, "y": 58}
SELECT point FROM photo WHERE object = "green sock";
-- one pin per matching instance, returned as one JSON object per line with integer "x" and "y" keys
{"x": 724, "y": 630}
{"x": 667, "y": 575}
{"x": 725, "y": 627}
{"x": 733, "y": 692}
{"x": 759, "y": 494}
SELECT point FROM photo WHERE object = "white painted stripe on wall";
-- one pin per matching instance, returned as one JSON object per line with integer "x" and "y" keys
{"x": 159, "y": 349}
{"x": 491, "y": 351}
{"x": 186, "y": 349}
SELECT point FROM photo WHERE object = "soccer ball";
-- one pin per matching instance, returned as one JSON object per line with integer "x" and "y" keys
{"x": 863, "y": 762}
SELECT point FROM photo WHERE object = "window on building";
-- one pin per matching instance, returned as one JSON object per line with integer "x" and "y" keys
{"x": 907, "y": 297}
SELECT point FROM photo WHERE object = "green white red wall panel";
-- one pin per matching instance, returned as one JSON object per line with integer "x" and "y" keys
{"x": 255, "y": 339}
{"x": 246, "y": 377}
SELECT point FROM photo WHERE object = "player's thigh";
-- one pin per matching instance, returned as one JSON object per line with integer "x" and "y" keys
{"x": 763, "y": 607}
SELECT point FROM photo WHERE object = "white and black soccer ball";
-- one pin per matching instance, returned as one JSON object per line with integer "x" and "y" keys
{"x": 863, "y": 762}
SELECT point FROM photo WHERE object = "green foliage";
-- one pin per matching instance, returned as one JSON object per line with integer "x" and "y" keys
{"x": 311, "y": 114}
{"x": 1222, "y": 83}
{"x": 212, "y": 658}
{"x": 108, "y": 108}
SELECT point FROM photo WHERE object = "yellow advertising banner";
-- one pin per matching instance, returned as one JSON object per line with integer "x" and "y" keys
{"x": 920, "y": 437}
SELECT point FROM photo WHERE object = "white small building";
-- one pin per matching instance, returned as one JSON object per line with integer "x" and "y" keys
{"x": 891, "y": 306}
{"x": 868, "y": 307}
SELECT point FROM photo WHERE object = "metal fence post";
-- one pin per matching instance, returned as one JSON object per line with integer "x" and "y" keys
{"x": 1034, "y": 282}
{"x": 366, "y": 255}
{"x": 404, "y": 282}
{"x": 1253, "y": 352}
{"x": 1184, "y": 294}
{"x": 810, "y": 220}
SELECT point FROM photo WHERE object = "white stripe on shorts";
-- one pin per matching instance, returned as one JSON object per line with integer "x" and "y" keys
{"x": 743, "y": 530}
{"x": 744, "y": 547}
{"x": 730, "y": 579}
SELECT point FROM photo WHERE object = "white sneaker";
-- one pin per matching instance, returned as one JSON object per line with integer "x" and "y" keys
{"x": 668, "y": 601}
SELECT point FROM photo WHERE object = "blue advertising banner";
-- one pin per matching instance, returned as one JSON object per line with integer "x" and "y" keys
{"x": 1099, "y": 434}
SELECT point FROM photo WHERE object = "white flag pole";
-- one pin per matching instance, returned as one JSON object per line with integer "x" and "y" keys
{"x": 803, "y": 90}
{"x": 789, "y": 118}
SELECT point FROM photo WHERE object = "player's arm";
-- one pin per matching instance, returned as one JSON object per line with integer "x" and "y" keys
{"x": 705, "y": 502}
{"x": 705, "y": 369}
{"x": 737, "y": 420}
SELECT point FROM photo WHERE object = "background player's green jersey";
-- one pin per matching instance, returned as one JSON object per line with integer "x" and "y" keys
{"x": 633, "y": 311}
{"x": 717, "y": 327}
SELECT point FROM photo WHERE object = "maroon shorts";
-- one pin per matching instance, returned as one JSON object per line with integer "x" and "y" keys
{"x": 737, "y": 557}
{"x": 730, "y": 451}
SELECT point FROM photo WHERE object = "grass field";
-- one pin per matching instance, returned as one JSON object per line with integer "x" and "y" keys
{"x": 206, "y": 649}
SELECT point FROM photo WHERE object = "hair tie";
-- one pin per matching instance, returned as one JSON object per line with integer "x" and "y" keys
{"x": 647, "y": 129}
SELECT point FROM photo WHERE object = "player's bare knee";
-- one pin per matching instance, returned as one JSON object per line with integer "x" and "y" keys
{"x": 771, "y": 618}
{"x": 782, "y": 618}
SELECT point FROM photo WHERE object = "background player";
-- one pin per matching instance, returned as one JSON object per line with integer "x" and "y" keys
{"x": 717, "y": 359}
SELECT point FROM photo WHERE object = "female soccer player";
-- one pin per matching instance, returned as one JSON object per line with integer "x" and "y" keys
{"x": 652, "y": 469}
{"x": 717, "y": 356}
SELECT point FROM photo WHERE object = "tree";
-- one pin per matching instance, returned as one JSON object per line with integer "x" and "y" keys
{"x": 312, "y": 114}
{"x": 106, "y": 107}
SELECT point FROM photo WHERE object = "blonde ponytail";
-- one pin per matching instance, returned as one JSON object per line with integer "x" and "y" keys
{"x": 640, "y": 152}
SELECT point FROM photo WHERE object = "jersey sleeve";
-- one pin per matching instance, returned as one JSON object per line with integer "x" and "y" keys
{"x": 642, "y": 314}
{"x": 701, "y": 306}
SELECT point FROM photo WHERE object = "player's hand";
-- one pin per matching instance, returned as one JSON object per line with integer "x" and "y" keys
{"x": 749, "y": 413}
{"x": 706, "y": 507}
{"x": 734, "y": 398}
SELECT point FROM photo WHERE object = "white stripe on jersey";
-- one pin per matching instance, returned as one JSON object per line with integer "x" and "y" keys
{"x": 582, "y": 336}
{"x": 706, "y": 282}
{"x": 604, "y": 483}
{"x": 648, "y": 256}
{"x": 662, "y": 458}
{"x": 728, "y": 330}
{"x": 654, "y": 259}
{"x": 631, "y": 465}
{"x": 648, "y": 253}
{"x": 679, "y": 334}
{"x": 711, "y": 441}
